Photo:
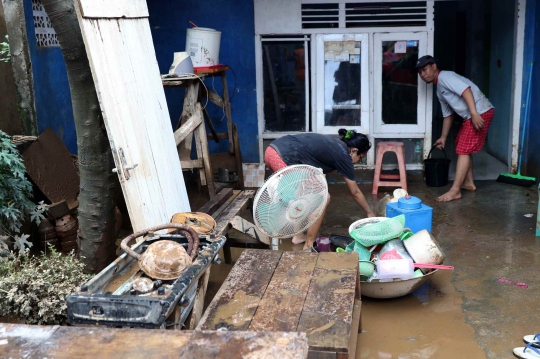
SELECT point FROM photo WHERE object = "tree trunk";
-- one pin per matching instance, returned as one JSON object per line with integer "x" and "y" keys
{"x": 96, "y": 215}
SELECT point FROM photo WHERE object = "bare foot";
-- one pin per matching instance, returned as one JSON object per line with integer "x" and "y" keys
{"x": 469, "y": 186}
{"x": 449, "y": 196}
{"x": 299, "y": 238}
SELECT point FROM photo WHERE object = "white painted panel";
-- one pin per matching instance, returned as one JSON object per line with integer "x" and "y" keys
{"x": 106, "y": 9}
{"x": 132, "y": 100}
{"x": 278, "y": 17}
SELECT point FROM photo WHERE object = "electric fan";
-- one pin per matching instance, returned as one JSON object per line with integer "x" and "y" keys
{"x": 290, "y": 201}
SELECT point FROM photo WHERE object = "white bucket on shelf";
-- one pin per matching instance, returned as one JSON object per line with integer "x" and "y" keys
{"x": 202, "y": 44}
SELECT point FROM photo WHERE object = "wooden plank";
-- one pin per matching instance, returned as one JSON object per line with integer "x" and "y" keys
{"x": 213, "y": 97}
{"x": 223, "y": 222}
{"x": 105, "y": 343}
{"x": 211, "y": 206}
{"x": 51, "y": 167}
{"x": 225, "y": 205}
{"x": 246, "y": 345}
{"x": 203, "y": 151}
{"x": 248, "y": 228}
{"x": 188, "y": 110}
{"x": 355, "y": 329}
{"x": 238, "y": 157}
{"x": 135, "y": 112}
{"x": 282, "y": 303}
{"x": 328, "y": 310}
{"x": 186, "y": 165}
{"x": 21, "y": 341}
{"x": 237, "y": 300}
{"x": 187, "y": 128}
{"x": 228, "y": 113}
{"x": 106, "y": 9}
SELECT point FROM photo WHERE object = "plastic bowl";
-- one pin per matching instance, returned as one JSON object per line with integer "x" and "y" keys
{"x": 395, "y": 289}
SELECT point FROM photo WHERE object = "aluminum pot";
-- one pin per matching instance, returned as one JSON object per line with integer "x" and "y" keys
{"x": 395, "y": 289}
{"x": 423, "y": 248}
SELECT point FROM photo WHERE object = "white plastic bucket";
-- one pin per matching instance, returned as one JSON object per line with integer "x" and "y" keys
{"x": 202, "y": 44}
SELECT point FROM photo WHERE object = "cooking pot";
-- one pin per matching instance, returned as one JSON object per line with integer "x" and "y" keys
{"x": 423, "y": 248}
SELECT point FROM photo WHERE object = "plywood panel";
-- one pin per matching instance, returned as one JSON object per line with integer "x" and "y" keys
{"x": 106, "y": 9}
{"x": 132, "y": 100}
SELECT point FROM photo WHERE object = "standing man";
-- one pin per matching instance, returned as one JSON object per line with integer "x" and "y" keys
{"x": 458, "y": 94}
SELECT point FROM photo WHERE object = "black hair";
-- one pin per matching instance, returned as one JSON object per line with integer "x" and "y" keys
{"x": 355, "y": 140}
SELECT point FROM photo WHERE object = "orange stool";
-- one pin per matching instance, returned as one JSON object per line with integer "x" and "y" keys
{"x": 398, "y": 149}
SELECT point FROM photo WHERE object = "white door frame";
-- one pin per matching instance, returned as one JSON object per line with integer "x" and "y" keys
{"x": 517, "y": 83}
{"x": 364, "y": 82}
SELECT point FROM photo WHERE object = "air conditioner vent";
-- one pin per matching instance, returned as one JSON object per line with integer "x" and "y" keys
{"x": 320, "y": 16}
{"x": 384, "y": 14}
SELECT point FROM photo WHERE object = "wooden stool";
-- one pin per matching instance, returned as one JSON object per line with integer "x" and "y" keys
{"x": 398, "y": 149}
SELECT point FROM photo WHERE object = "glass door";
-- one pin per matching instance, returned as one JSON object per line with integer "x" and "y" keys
{"x": 400, "y": 94}
{"x": 342, "y": 83}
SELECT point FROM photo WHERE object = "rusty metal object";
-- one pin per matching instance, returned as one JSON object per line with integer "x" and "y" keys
{"x": 143, "y": 285}
{"x": 165, "y": 259}
{"x": 202, "y": 223}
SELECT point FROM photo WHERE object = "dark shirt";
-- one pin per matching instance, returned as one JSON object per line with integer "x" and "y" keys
{"x": 325, "y": 152}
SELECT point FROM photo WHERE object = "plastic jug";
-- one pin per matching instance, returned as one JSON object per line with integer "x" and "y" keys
{"x": 390, "y": 269}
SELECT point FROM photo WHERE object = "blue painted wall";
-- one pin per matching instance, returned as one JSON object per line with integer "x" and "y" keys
{"x": 500, "y": 78}
{"x": 531, "y": 153}
{"x": 235, "y": 19}
{"x": 51, "y": 87}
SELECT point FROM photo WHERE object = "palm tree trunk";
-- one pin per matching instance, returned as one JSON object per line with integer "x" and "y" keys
{"x": 96, "y": 215}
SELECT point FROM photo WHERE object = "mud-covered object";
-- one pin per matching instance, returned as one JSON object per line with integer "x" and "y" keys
{"x": 165, "y": 260}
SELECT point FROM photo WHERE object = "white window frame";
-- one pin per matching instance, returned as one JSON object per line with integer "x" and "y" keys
{"x": 259, "y": 41}
{"x": 363, "y": 38}
{"x": 378, "y": 127}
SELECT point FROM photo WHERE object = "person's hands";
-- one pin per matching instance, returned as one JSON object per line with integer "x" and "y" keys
{"x": 477, "y": 121}
{"x": 371, "y": 214}
{"x": 440, "y": 143}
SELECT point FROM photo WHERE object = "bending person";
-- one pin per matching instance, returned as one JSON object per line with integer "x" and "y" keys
{"x": 325, "y": 152}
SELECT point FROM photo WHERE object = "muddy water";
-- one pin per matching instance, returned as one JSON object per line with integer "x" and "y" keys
{"x": 428, "y": 324}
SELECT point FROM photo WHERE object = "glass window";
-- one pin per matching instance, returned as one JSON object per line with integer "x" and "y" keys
{"x": 399, "y": 82}
{"x": 342, "y": 83}
{"x": 284, "y": 85}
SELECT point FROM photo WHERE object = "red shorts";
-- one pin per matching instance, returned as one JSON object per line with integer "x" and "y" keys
{"x": 273, "y": 160}
{"x": 470, "y": 140}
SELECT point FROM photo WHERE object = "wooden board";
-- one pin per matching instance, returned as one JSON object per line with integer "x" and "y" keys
{"x": 223, "y": 222}
{"x": 106, "y": 9}
{"x": 50, "y": 166}
{"x": 20, "y": 341}
{"x": 211, "y": 206}
{"x": 327, "y": 316}
{"x": 246, "y": 345}
{"x": 38, "y": 342}
{"x": 132, "y": 100}
{"x": 237, "y": 300}
{"x": 79, "y": 342}
{"x": 282, "y": 303}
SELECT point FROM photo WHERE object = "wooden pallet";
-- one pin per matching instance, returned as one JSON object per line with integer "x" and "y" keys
{"x": 316, "y": 293}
